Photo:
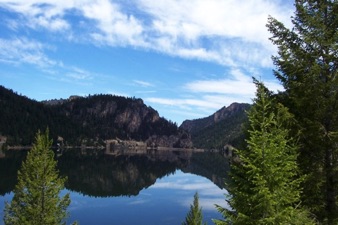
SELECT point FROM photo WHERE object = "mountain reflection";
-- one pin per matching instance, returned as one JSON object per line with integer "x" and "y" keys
{"x": 94, "y": 173}
{"x": 10, "y": 162}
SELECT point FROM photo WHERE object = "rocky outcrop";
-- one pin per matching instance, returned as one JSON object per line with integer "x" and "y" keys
{"x": 134, "y": 115}
{"x": 111, "y": 112}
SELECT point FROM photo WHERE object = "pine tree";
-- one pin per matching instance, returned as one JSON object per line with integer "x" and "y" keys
{"x": 194, "y": 216}
{"x": 36, "y": 196}
{"x": 264, "y": 186}
{"x": 307, "y": 63}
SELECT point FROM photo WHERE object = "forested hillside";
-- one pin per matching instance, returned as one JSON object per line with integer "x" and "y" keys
{"x": 221, "y": 128}
{"x": 80, "y": 120}
{"x": 22, "y": 117}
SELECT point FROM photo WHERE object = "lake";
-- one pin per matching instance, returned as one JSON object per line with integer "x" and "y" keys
{"x": 132, "y": 187}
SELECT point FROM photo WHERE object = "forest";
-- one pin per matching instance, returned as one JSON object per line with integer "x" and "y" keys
{"x": 79, "y": 120}
{"x": 288, "y": 171}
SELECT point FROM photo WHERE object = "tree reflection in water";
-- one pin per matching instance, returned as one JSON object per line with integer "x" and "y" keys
{"x": 92, "y": 173}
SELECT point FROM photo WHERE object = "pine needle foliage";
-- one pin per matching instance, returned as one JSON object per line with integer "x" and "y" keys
{"x": 194, "y": 216}
{"x": 307, "y": 66}
{"x": 36, "y": 198}
{"x": 265, "y": 186}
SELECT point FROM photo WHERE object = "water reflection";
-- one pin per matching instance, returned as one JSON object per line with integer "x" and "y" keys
{"x": 159, "y": 184}
{"x": 97, "y": 174}
{"x": 165, "y": 202}
{"x": 10, "y": 163}
{"x": 92, "y": 172}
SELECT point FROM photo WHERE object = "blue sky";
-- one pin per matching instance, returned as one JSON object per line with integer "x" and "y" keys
{"x": 186, "y": 59}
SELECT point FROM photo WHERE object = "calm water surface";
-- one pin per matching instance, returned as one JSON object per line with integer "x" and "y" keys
{"x": 134, "y": 187}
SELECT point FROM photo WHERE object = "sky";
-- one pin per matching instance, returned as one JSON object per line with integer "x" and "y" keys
{"x": 184, "y": 58}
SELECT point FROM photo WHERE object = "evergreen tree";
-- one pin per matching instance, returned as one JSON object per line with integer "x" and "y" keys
{"x": 307, "y": 63}
{"x": 194, "y": 216}
{"x": 36, "y": 196}
{"x": 264, "y": 186}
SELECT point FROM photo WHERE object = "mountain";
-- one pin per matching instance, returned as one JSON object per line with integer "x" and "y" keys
{"x": 221, "y": 128}
{"x": 85, "y": 120}
{"x": 22, "y": 117}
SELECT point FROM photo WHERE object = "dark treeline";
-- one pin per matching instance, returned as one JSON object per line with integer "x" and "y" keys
{"x": 21, "y": 117}
{"x": 93, "y": 118}
{"x": 228, "y": 131}
{"x": 224, "y": 127}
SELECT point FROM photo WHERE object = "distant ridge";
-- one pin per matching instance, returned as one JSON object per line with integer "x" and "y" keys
{"x": 221, "y": 128}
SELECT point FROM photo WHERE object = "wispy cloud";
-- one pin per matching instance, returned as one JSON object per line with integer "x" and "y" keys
{"x": 226, "y": 32}
{"x": 117, "y": 93}
{"x": 113, "y": 26}
{"x": 79, "y": 74}
{"x": 40, "y": 14}
{"x": 142, "y": 83}
{"x": 236, "y": 84}
{"x": 23, "y": 50}
{"x": 209, "y": 193}
{"x": 209, "y": 95}
{"x": 20, "y": 50}
{"x": 183, "y": 103}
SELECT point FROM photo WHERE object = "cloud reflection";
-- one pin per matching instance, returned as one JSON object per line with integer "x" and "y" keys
{"x": 184, "y": 185}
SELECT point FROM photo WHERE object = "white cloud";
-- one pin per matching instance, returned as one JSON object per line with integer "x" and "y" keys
{"x": 193, "y": 19}
{"x": 185, "y": 181}
{"x": 23, "y": 50}
{"x": 79, "y": 74}
{"x": 209, "y": 193}
{"x": 188, "y": 114}
{"x": 143, "y": 83}
{"x": 52, "y": 24}
{"x": 228, "y": 32}
{"x": 208, "y": 95}
{"x": 190, "y": 26}
{"x": 117, "y": 93}
{"x": 114, "y": 27}
{"x": 237, "y": 84}
{"x": 46, "y": 14}
{"x": 20, "y": 50}
{"x": 183, "y": 103}
{"x": 198, "y": 107}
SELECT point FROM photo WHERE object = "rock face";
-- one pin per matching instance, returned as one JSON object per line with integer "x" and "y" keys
{"x": 134, "y": 115}
{"x": 109, "y": 114}
{"x": 222, "y": 127}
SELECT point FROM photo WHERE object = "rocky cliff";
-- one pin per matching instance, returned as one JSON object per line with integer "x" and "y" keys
{"x": 111, "y": 113}
{"x": 110, "y": 117}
